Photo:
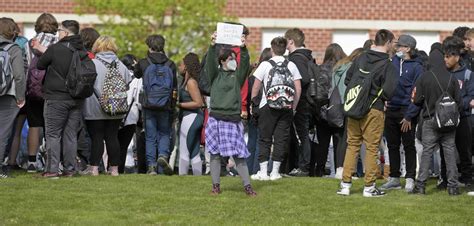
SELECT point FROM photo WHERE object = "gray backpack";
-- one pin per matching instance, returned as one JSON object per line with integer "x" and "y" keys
{"x": 6, "y": 76}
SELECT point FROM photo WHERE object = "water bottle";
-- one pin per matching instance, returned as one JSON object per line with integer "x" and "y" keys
{"x": 312, "y": 87}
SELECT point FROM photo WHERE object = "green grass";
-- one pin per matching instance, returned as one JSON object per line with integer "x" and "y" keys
{"x": 143, "y": 199}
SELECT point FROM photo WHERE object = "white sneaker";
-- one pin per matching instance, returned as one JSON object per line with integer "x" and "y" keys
{"x": 409, "y": 185}
{"x": 339, "y": 173}
{"x": 471, "y": 193}
{"x": 275, "y": 176}
{"x": 345, "y": 189}
{"x": 373, "y": 191}
{"x": 263, "y": 176}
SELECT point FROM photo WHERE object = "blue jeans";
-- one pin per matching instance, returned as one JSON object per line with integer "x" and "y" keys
{"x": 157, "y": 134}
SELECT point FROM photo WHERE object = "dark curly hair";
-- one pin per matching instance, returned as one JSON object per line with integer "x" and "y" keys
{"x": 193, "y": 66}
{"x": 453, "y": 45}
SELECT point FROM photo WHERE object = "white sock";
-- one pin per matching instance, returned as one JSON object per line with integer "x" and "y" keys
{"x": 263, "y": 167}
{"x": 276, "y": 167}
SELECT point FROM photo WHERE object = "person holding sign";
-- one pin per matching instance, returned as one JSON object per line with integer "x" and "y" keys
{"x": 224, "y": 129}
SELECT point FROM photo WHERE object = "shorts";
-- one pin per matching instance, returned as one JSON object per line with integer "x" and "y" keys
{"x": 34, "y": 112}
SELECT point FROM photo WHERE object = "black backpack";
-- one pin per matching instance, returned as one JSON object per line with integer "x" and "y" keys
{"x": 446, "y": 109}
{"x": 358, "y": 99}
{"x": 81, "y": 76}
{"x": 317, "y": 93}
{"x": 333, "y": 112}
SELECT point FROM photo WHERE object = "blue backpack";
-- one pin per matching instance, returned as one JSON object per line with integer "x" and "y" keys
{"x": 158, "y": 86}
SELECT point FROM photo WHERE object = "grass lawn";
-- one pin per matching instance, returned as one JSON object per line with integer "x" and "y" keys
{"x": 143, "y": 199}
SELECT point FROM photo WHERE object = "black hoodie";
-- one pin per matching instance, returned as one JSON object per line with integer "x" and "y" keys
{"x": 300, "y": 58}
{"x": 427, "y": 90}
{"x": 56, "y": 60}
{"x": 386, "y": 77}
{"x": 156, "y": 58}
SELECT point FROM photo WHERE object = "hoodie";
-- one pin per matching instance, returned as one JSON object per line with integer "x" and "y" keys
{"x": 92, "y": 109}
{"x": 409, "y": 71}
{"x": 301, "y": 57}
{"x": 466, "y": 86}
{"x": 56, "y": 61}
{"x": 428, "y": 91}
{"x": 385, "y": 78}
{"x": 18, "y": 87}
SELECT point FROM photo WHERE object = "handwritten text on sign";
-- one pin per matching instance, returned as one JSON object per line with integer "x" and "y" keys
{"x": 230, "y": 34}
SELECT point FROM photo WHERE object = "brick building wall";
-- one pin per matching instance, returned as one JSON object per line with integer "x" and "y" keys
{"x": 318, "y": 36}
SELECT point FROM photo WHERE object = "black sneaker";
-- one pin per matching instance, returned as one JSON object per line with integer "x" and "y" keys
{"x": 442, "y": 184}
{"x": 299, "y": 173}
{"x": 5, "y": 172}
{"x": 31, "y": 167}
{"x": 418, "y": 190}
{"x": 453, "y": 191}
{"x": 166, "y": 167}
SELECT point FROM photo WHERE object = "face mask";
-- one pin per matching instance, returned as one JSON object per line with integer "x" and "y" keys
{"x": 232, "y": 65}
{"x": 400, "y": 54}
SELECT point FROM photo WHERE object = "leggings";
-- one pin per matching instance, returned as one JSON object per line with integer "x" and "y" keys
{"x": 240, "y": 164}
{"x": 189, "y": 142}
{"x": 100, "y": 131}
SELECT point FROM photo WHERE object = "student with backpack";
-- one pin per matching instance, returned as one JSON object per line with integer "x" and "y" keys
{"x": 337, "y": 84}
{"x": 371, "y": 80}
{"x": 106, "y": 108}
{"x": 302, "y": 58}
{"x": 69, "y": 79}
{"x": 15, "y": 140}
{"x": 224, "y": 130}
{"x": 401, "y": 114}
{"x": 12, "y": 85}
{"x": 191, "y": 116}
{"x": 437, "y": 93}
{"x": 46, "y": 27}
{"x": 158, "y": 73}
{"x": 280, "y": 96}
{"x": 324, "y": 130}
{"x": 452, "y": 47}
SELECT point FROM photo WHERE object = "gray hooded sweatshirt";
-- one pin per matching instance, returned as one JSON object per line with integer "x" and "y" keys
{"x": 18, "y": 87}
{"x": 92, "y": 109}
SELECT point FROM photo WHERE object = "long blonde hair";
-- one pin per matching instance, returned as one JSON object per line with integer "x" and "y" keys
{"x": 357, "y": 52}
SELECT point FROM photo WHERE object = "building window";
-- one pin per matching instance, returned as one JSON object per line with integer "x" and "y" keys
{"x": 29, "y": 31}
{"x": 350, "y": 40}
{"x": 269, "y": 34}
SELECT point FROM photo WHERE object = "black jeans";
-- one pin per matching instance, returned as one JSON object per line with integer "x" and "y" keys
{"x": 324, "y": 133}
{"x": 100, "y": 131}
{"x": 125, "y": 135}
{"x": 301, "y": 121}
{"x": 463, "y": 146}
{"x": 395, "y": 137}
{"x": 274, "y": 126}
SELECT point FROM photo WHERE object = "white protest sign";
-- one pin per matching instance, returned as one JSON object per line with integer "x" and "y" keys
{"x": 230, "y": 34}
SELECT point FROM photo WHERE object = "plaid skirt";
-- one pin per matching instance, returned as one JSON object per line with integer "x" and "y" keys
{"x": 226, "y": 138}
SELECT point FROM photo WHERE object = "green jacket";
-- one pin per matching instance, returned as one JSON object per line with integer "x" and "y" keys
{"x": 340, "y": 73}
{"x": 225, "y": 85}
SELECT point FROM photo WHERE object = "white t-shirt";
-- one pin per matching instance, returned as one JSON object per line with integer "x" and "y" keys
{"x": 262, "y": 73}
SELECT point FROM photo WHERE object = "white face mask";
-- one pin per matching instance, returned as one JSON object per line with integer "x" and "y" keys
{"x": 400, "y": 54}
{"x": 232, "y": 65}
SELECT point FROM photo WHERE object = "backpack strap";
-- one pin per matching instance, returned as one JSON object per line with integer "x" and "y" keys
{"x": 7, "y": 47}
{"x": 270, "y": 78}
{"x": 467, "y": 75}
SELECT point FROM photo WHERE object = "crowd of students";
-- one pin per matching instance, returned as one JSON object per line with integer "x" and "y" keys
{"x": 279, "y": 117}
